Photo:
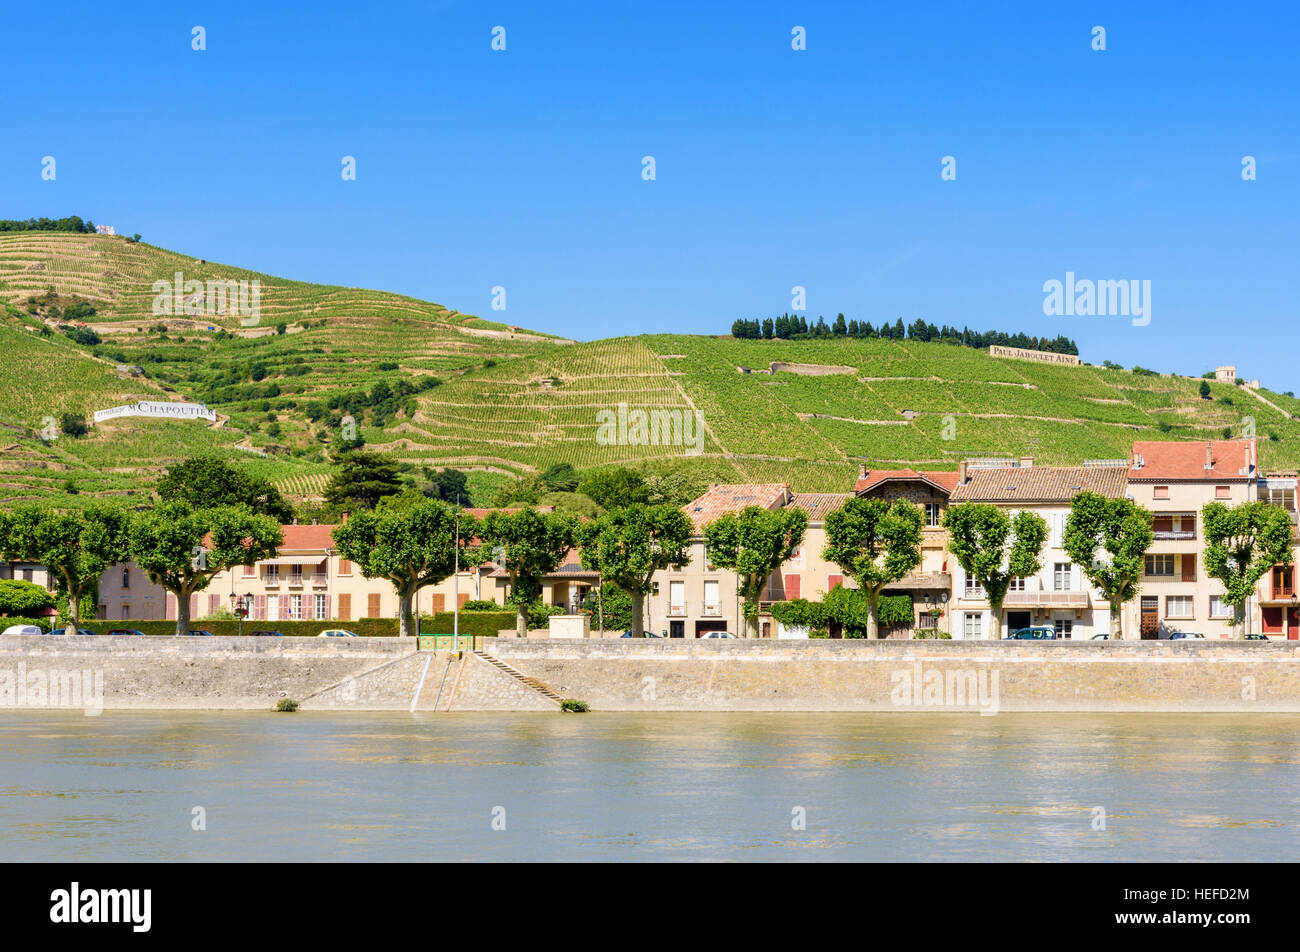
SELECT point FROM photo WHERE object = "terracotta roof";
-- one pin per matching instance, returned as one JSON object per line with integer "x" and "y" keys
{"x": 1041, "y": 483}
{"x": 1232, "y": 459}
{"x": 306, "y": 538}
{"x": 819, "y": 505}
{"x": 945, "y": 480}
{"x": 720, "y": 500}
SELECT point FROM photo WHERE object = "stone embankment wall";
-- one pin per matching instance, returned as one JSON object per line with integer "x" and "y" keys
{"x": 652, "y": 675}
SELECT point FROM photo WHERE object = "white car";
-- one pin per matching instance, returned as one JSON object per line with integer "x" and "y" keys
{"x": 22, "y": 630}
{"x": 337, "y": 633}
{"x": 717, "y": 634}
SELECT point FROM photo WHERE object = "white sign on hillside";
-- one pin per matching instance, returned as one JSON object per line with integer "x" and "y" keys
{"x": 158, "y": 408}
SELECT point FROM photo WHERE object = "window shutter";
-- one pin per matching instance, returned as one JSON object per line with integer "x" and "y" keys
{"x": 194, "y": 604}
{"x": 372, "y": 605}
{"x": 345, "y": 607}
{"x": 214, "y": 602}
{"x": 833, "y": 580}
{"x": 259, "y": 607}
{"x": 439, "y": 602}
{"x": 1163, "y": 524}
{"x": 792, "y": 586}
{"x": 1189, "y": 567}
{"x": 283, "y": 613}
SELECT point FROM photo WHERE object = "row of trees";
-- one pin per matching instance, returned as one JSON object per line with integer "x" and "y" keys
{"x": 877, "y": 543}
{"x": 796, "y": 327}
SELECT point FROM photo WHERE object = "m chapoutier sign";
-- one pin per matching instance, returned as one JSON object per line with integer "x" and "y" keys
{"x": 158, "y": 408}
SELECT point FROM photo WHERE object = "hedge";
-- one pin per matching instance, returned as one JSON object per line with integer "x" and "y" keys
{"x": 8, "y": 621}
{"x": 472, "y": 623}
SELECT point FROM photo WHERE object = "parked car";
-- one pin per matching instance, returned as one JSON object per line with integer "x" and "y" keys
{"x": 267, "y": 634}
{"x": 1256, "y": 636}
{"x": 1039, "y": 633}
{"x": 1102, "y": 636}
{"x": 337, "y": 633}
{"x": 80, "y": 631}
{"x": 22, "y": 630}
{"x": 199, "y": 633}
{"x": 126, "y": 631}
{"x": 648, "y": 634}
{"x": 1185, "y": 635}
{"x": 717, "y": 634}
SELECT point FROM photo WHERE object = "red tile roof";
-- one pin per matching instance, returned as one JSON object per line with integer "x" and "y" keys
{"x": 720, "y": 500}
{"x": 300, "y": 538}
{"x": 940, "y": 479}
{"x": 1040, "y": 483}
{"x": 1178, "y": 461}
{"x": 819, "y": 505}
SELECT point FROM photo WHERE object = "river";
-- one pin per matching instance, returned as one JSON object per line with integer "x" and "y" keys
{"x": 527, "y": 787}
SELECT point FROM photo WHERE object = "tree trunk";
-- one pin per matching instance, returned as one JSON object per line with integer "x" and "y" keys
{"x": 996, "y": 634}
{"x": 1117, "y": 621}
{"x": 182, "y": 612}
{"x": 73, "y": 621}
{"x": 405, "y": 625}
{"x": 873, "y": 617}
{"x": 638, "y": 614}
{"x": 751, "y": 625}
{"x": 521, "y": 620}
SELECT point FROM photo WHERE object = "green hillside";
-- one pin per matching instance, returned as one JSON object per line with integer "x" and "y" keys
{"x": 438, "y": 387}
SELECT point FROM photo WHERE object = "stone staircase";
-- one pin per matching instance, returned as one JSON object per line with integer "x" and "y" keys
{"x": 519, "y": 676}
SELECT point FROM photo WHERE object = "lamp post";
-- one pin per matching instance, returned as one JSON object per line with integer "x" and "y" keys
{"x": 455, "y": 585}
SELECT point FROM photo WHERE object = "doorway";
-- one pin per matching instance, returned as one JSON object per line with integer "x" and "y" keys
{"x": 1018, "y": 620}
{"x": 1150, "y": 617}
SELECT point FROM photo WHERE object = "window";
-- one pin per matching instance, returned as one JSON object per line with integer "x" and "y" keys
{"x": 712, "y": 604}
{"x": 1161, "y": 492}
{"x": 345, "y": 567}
{"x": 796, "y": 558}
{"x": 1064, "y": 627}
{"x": 932, "y": 514}
{"x": 126, "y": 578}
{"x": 322, "y": 606}
{"x": 1062, "y": 577}
{"x": 972, "y": 625}
{"x": 250, "y": 571}
{"x": 1179, "y": 606}
{"x": 1017, "y": 584}
{"x": 1222, "y": 492}
{"x": 295, "y": 575}
{"x": 126, "y": 610}
{"x": 677, "y": 598}
{"x": 1160, "y": 565}
{"x": 1283, "y": 586}
{"x": 1219, "y": 608}
{"x": 273, "y": 575}
{"x": 973, "y": 588}
{"x": 295, "y": 607}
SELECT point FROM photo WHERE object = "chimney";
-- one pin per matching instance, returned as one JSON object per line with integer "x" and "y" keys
{"x": 862, "y": 470}
{"x": 345, "y": 518}
{"x": 1209, "y": 455}
{"x": 1026, "y": 461}
{"x": 961, "y": 473}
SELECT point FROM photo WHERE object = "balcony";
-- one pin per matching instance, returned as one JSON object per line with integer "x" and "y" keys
{"x": 712, "y": 611}
{"x": 924, "y": 581}
{"x": 1035, "y": 595}
{"x": 1175, "y": 534}
{"x": 319, "y": 581}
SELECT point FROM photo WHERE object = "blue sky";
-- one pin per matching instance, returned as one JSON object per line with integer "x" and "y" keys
{"x": 775, "y": 168}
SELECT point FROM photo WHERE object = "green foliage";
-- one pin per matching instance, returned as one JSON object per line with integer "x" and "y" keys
{"x": 560, "y": 478}
{"x": 23, "y": 598}
{"x": 1122, "y": 529}
{"x": 983, "y": 538}
{"x": 75, "y": 546}
{"x": 287, "y": 705}
{"x": 204, "y": 482}
{"x": 481, "y": 624}
{"x": 42, "y": 622}
{"x": 628, "y": 546}
{"x": 73, "y": 223}
{"x": 1204, "y": 390}
{"x": 615, "y": 487}
{"x": 480, "y": 605}
{"x": 612, "y": 605}
{"x": 181, "y": 548}
{"x": 876, "y": 543}
{"x": 1243, "y": 542}
{"x": 531, "y": 545}
{"x": 754, "y": 543}
{"x": 362, "y": 478}
{"x": 411, "y": 548}
{"x": 450, "y": 485}
{"x": 570, "y": 706}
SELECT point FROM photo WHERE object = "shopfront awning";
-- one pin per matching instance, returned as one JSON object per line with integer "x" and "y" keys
{"x": 295, "y": 560}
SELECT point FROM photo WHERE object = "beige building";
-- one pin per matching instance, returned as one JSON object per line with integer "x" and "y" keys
{"x": 1058, "y": 596}
{"x": 1173, "y": 481}
{"x": 1276, "y": 595}
{"x": 309, "y": 581}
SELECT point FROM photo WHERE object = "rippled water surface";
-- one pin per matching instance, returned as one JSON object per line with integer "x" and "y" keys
{"x": 320, "y": 787}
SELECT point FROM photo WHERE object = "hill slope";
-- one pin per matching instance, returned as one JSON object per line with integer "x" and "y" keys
{"x": 438, "y": 387}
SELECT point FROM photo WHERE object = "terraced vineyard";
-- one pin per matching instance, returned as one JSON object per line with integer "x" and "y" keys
{"x": 440, "y": 388}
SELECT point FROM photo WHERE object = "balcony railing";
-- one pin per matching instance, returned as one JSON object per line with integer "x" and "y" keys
{"x": 1047, "y": 599}
{"x": 1175, "y": 534}
{"x": 712, "y": 611}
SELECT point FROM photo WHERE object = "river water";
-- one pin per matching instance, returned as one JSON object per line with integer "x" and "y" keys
{"x": 524, "y": 787}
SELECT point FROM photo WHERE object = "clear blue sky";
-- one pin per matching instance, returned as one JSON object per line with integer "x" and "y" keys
{"x": 775, "y": 168}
